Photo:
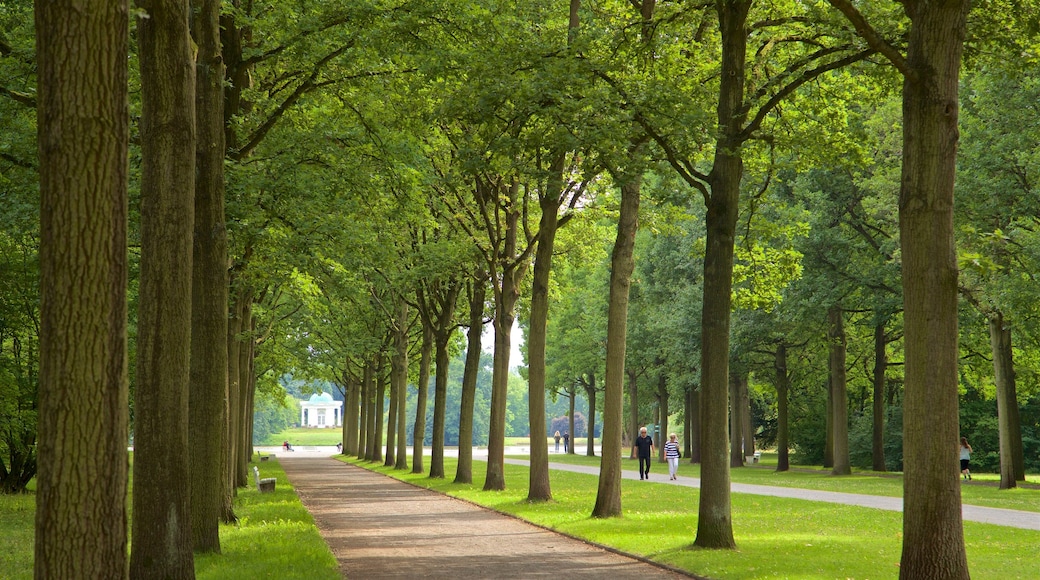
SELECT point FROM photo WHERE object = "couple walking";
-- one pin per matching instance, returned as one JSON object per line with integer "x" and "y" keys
{"x": 645, "y": 450}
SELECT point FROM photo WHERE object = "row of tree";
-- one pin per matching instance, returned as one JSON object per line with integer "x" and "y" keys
{"x": 347, "y": 173}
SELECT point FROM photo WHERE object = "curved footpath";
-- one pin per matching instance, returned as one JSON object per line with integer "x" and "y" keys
{"x": 379, "y": 527}
{"x": 971, "y": 513}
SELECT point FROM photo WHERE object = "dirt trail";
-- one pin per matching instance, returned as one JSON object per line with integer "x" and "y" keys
{"x": 379, "y": 527}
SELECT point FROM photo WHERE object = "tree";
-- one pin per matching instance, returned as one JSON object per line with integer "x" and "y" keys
{"x": 208, "y": 396}
{"x": 162, "y": 540}
{"x": 83, "y": 135}
{"x": 933, "y": 535}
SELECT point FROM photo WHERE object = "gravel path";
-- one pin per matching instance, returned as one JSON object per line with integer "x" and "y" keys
{"x": 379, "y": 527}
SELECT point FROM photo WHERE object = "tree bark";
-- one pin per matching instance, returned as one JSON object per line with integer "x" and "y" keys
{"x": 747, "y": 432}
{"x": 366, "y": 410}
{"x": 695, "y": 425}
{"x": 590, "y": 394}
{"x": 351, "y": 416}
{"x": 736, "y": 424}
{"x": 82, "y": 121}
{"x": 622, "y": 263}
{"x": 161, "y": 531}
{"x": 1012, "y": 460}
{"x": 538, "y": 486}
{"x": 390, "y": 456}
{"x": 477, "y": 293}
{"x": 419, "y": 428}
{"x": 245, "y": 384}
{"x": 839, "y": 388}
{"x": 507, "y": 293}
{"x": 878, "y": 427}
{"x": 933, "y": 534}
{"x": 662, "y": 405}
{"x": 715, "y": 521}
{"x": 208, "y": 386}
{"x": 783, "y": 388}
{"x": 379, "y": 411}
{"x": 440, "y": 401}
{"x": 401, "y": 376}
{"x": 633, "y": 411}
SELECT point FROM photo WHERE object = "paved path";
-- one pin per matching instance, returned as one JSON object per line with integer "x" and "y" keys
{"x": 1000, "y": 517}
{"x": 379, "y": 527}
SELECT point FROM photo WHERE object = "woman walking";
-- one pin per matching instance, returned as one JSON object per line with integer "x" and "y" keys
{"x": 965, "y": 459}
{"x": 671, "y": 453}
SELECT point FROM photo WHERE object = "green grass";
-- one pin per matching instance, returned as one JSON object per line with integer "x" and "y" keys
{"x": 776, "y": 537}
{"x": 865, "y": 482}
{"x": 17, "y": 513}
{"x": 300, "y": 436}
{"x": 274, "y": 538}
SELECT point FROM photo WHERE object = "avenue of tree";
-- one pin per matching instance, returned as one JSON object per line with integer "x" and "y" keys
{"x": 812, "y": 225}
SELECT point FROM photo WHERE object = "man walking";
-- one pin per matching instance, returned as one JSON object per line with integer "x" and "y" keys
{"x": 645, "y": 448}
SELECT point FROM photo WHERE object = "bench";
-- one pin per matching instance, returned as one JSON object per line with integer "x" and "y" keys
{"x": 263, "y": 485}
{"x": 753, "y": 458}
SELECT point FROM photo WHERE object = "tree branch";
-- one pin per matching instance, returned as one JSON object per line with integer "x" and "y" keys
{"x": 866, "y": 32}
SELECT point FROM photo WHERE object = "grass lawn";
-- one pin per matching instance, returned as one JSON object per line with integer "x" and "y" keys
{"x": 306, "y": 436}
{"x": 275, "y": 537}
{"x": 865, "y": 482}
{"x": 776, "y": 537}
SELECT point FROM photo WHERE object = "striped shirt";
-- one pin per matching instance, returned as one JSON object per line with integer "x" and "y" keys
{"x": 671, "y": 449}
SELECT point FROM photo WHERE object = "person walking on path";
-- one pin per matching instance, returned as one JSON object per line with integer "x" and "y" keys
{"x": 645, "y": 448}
{"x": 671, "y": 453}
{"x": 556, "y": 436}
{"x": 566, "y": 441}
{"x": 965, "y": 459}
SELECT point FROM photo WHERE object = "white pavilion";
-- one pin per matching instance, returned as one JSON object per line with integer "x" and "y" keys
{"x": 321, "y": 410}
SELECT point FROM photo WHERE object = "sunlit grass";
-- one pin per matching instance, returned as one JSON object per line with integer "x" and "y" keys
{"x": 869, "y": 483}
{"x": 776, "y": 537}
{"x": 275, "y": 537}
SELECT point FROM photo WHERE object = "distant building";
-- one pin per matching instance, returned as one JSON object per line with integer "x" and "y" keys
{"x": 321, "y": 410}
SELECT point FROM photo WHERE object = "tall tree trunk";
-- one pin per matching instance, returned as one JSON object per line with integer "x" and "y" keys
{"x": 507, "y": 292}
{"x": 736, "y": 425}
{"x": 350, "y": 417}
{"x": 933, "y": 533}
{"x": 695, "y": 425}
{"x": 622, "y": 263}
{"x": 1008, "y": 424}
{"x": 828, "y": 419}
{"x": 245, "y": 383}
{"x": 505, "y": 314}
{"x": 422, "y": 387}
{"x": 390, "y": 457}
{"x": 715, "y": 520}
{"x": 477, "y": 293}
{"x": 82, "y": 122}
{"x": 401, "y": 376}
{"x": 662, "y": 405}
{"x": 633, "y": 411}
{"x": 783, "y": 389}
{"x": 839, "y": 388}
{"x": 538, "y": 487}
{"x": 161, "y": 532}
{"x": 571, "y": 396}
{"x": 366, "y": 410}
{"x": 229, "y": 438}
{"x": 371, "y": 443}
{"x": 878, "y": 427}
{"x": 440, "y": 401}
{"x": 745, "y": 410}
{"x": 379, "y": 413}
{"x": 208, "y": 387}
{"x": 590, "y": 394}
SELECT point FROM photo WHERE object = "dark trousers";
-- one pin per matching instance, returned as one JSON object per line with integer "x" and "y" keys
{"x": 644, "y": 471}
